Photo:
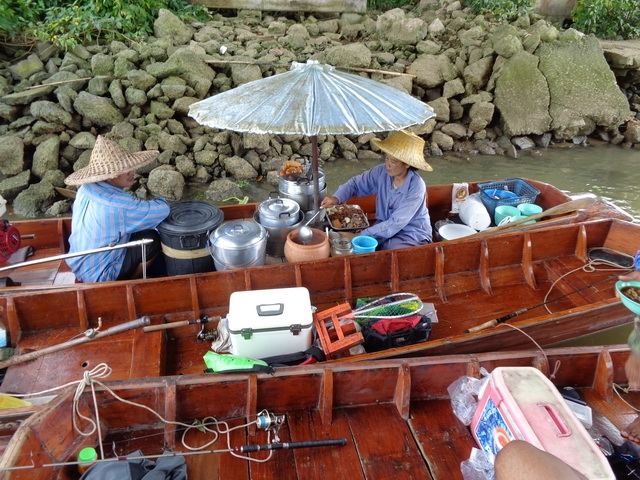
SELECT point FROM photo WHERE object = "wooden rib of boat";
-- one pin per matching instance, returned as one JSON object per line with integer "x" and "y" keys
{"x": 469, "y": 282}
{"x": 395, "y": 415}
{"x": 49, "y": 237}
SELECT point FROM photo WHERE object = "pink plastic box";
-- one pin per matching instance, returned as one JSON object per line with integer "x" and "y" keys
{"x": 520, "y": 403}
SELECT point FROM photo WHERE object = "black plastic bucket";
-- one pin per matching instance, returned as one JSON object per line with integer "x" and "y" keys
{"x": 184, "y": 235}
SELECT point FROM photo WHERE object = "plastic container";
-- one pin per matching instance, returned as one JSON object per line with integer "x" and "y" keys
{"x": 265, "y": 323}
{"x": 528, "y": 209}
{"x": 493, "y": 194}
{"x": 626, "y": 301}
{"x": 341, "y": 247}
{"x": 451, "y": 231}
{"x": 503, "y": 211}
{"x": 184, "y": 235}
{"x": 364, "y": 244}
{"x": 520, "y": 403}
{"x": 86, "y": 458}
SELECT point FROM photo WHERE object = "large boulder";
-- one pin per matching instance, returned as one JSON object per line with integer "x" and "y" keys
{"x": 12, "y": 186}
{"x": 34, "y": 200}
{"x": 46, "y": 156}
{"x": 11, "y": 155}
{"x": 239, "y": 168}
{"x": 167, "y": 183}
{"x": 96, "y": 110}
{"x": 50, "y": 112}
{"x": 352, "y": 55}
{"x": 223, "y": 189}
{"x": 522, "y": 96}
{"x": 394, "y": 27}
{"x": 168, "y": 26}
{"x": 190, "y": 66}
{"x": 432, "y": 70}
{"x": 583, "y": 89}
{"x": 27, "y": 67}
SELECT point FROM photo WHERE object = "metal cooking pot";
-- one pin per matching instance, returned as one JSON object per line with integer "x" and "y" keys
{"x": 301, "y": 190}
{"x": 278, "y": 235}
{"x": 278, "y": 212}
{"x": 238, "y": 243}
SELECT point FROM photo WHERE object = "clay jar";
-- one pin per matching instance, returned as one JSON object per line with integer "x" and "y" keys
{"x": 316, "y": 249}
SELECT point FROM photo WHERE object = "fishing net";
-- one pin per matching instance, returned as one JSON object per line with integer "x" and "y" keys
{"x": 396, "y": 305}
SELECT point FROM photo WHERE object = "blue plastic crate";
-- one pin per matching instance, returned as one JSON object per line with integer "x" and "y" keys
{"x": 524, "y": 192}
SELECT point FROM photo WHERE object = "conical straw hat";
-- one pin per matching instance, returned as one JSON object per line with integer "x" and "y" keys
{"x": 108, "y": 160}
{"x": 406, "y": 147}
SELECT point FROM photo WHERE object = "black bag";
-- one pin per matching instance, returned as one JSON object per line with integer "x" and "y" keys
{"x": 375, "y": 341}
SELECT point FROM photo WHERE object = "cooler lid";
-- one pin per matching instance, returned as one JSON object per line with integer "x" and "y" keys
{"x": 278, "y": 308}
{"x": 237, "y": 234}
{"x": 192, "y": 217}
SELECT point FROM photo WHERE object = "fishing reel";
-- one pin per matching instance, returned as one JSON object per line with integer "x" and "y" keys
{"x": 9, "y": 240}
{"x": 270, "y": 422}
{"x": 206, "y": 335}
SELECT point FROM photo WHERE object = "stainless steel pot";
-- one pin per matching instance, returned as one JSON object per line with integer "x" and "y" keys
{"x": 278, "y": 235}
{"x": 237, "y": 244}
{"x": 301, "y": 190}
{"x": 278, "y": 212}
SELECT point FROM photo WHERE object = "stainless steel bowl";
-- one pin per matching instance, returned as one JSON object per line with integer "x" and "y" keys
{"x": 237, "y": 244}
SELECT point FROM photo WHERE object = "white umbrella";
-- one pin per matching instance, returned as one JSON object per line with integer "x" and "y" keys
{"x": 312, "y": 99}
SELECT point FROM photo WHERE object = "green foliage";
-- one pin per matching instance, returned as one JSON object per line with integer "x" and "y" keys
{"x": 501, "y": 9}
{"x": 387, "y": 4}
{"x": 608, "y": 18}
{"x": 69, "y": 22}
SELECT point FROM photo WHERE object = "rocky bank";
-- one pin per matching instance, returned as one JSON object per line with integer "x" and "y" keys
{"x": 495, "y": 89}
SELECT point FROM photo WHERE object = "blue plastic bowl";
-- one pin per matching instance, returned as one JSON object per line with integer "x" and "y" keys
{"x": 364, "y": 244}
{"x": 499, "y": 194}
{"x": 626, "y": 301}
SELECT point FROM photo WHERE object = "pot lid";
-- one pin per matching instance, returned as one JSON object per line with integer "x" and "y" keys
{"x": 279, "y": 211}
{"x": 192, "y": 217}
{"x": 304, "y": 179}
{"x": 238, "y": 234}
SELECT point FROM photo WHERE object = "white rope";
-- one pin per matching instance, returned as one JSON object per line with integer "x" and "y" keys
{"x": 102, "y": 370}
{"x": 556, "y": 366}
{"x": 625, "y": 390}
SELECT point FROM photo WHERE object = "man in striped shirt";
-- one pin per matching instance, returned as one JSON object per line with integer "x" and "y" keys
{"x": 105, "y": 214}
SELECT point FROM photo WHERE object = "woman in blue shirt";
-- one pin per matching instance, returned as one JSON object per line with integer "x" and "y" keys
{"x": 402, "y": 217}
{"x": 105, "y": 214}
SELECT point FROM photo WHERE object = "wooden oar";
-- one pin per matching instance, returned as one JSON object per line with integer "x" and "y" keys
{"x": 562, "y": 209}
{"x": 88, "y": 336}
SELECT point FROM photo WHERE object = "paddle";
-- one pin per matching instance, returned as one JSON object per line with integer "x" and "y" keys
{"x": 563, "y": 208}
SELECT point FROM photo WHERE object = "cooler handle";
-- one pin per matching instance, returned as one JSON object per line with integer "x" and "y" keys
{"x": 270, "y": 309}
{"x": 561, "y": 426}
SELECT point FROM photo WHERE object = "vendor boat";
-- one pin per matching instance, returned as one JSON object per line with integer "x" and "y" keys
{"x": 534, "y": 278}
{"x": 373, "y": 420}
{"x": 48, "y": 238}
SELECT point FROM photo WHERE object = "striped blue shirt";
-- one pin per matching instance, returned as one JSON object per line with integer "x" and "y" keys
{"x": 106, "y": 215}
{"x": 402, "y": 218}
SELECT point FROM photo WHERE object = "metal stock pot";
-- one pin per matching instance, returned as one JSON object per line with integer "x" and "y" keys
{"x": 237, "y": 244}
{"x": 279, "y": 216}
{"x": 301, "y": 190}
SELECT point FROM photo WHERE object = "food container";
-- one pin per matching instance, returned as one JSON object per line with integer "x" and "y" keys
{"x": 316, "y": 248}
{"x": 340, "y": 247}
{"x": 278, "y": 212}
{"x": 184, "y": 235}
{"x": 356, "y": 216}
{"x": 265, "y": 323}
{"x": 237, "y": 244}
{"x": 301, "y": 190}
{"x": 520, "y": 403}
{"x": 278, "y": 235}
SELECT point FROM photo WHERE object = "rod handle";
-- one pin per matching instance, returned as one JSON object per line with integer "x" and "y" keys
{"x": 336, "y": 442}
{"x": 167, "y": 326}
{"x": 508, "y": 316}
{"x": 482, "y": 326}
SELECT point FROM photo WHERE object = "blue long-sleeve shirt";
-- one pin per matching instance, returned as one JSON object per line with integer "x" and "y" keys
{"x": 106, "y": 215}
{"x": 402, "y": 217}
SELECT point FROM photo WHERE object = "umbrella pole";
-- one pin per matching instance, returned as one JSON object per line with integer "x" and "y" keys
{"x": 316, "y": 174}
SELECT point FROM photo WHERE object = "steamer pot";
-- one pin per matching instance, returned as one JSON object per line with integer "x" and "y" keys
{"x": 278, "y": 213}
{"x": 278, "y": 235}
{"x": 238, "y": 244}
{"x": 301, "y": 190}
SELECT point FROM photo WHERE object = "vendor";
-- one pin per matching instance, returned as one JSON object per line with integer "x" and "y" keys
{"x": 402, "y": 217}
{"x": 105, "y": 214}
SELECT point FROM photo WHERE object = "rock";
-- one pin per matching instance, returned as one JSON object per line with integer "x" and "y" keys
{"x": 160, "y": 110}
{"x": 523, "y": 143}
{"x": 436, "y": 27}
{"x": 428, "y": 47}
{"x": 102, "y": 64}
{"x": 401, "y": 82}
{"x": 505, "y": 41}
{"x": 632, "y": 132}
{"x": 27, "y": 67}
{"x": 440, "y": 107}
{"x": 96, "y": 110}
{"x": 27, "y": 96}
{"x": 453, "y": 88}
{"x": 135, "y": 96}
{"x": 115, "y": 90}
{"x": 185, "y": 166}
{"x": 83, "y": 141}
{"x": 223, "y": 189}
{"x": 583, "y": 89}
{"x": 481, "y": 96}
{"x": 46, "y": 156}
{"x": 166, "y": 183}
{"x": 530, "y": 42}
{"x": 34, "y": 200}
{"x": 8, "y": 112}
{"x": 326, "y": 150}
{"x": 253, "y": 141}
{"x": 188, "y": 65}
{"x": 54, "y": 177}
{"x": 171, "y": 143}
{"x": 480, "y": 115}
{"x": 522, "y": 96}
{"x": 239, "y": 168}
{"x": 50, "y": 112}
{"x": 182, "y": 105}
{"x": 141, "y": 80}
{"x": 12, "y": 186}
{"x": 477, "y": 74}
{"x": 432, "y": 70}
{"x": 352, "y": 55}
{"x": 168, "y": 26}
{"x": 475, "y": 37}
{"x": 58, "y": 208}
{"x": 328, "y": 26}
{"x": 444, "y": 141}
{"x": 543, "y": 140}
{"x": 11, "y": 155}
{"x": 296, "y": 37}
{"x": 455, "y": 130}
{"x": 241, "y": 74}
{"x": 394, "y": 27}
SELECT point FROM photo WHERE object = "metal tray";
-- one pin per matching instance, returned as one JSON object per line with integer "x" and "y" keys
{"x": 331, "y": 210}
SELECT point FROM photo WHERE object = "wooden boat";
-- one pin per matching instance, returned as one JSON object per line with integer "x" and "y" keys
{"x": 469, "y": 282}
{"x": 49, "y": 237}
{"x": 395, "y": 415}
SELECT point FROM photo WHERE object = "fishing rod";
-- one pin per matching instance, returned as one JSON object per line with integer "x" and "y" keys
{"x": 508, "y": 316}
{"x": 202, "y": 336}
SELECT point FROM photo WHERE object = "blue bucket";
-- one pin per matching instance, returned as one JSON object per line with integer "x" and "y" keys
{"x": 364, "y": 244}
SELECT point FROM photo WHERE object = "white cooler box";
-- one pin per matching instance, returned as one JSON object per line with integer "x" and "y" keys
{"x": 266, "y": 323}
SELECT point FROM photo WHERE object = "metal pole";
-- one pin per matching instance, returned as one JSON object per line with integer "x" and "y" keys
{"x": 135, "y": 243}
{"x": 316, "y": 173}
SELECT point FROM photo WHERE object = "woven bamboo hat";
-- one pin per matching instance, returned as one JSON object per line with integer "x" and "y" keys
{"x": 108, "y": 160}
{"x": 406, "y": 147}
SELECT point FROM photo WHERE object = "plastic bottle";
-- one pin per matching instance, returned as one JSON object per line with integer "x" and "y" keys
{"x": 86, "y": 458}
